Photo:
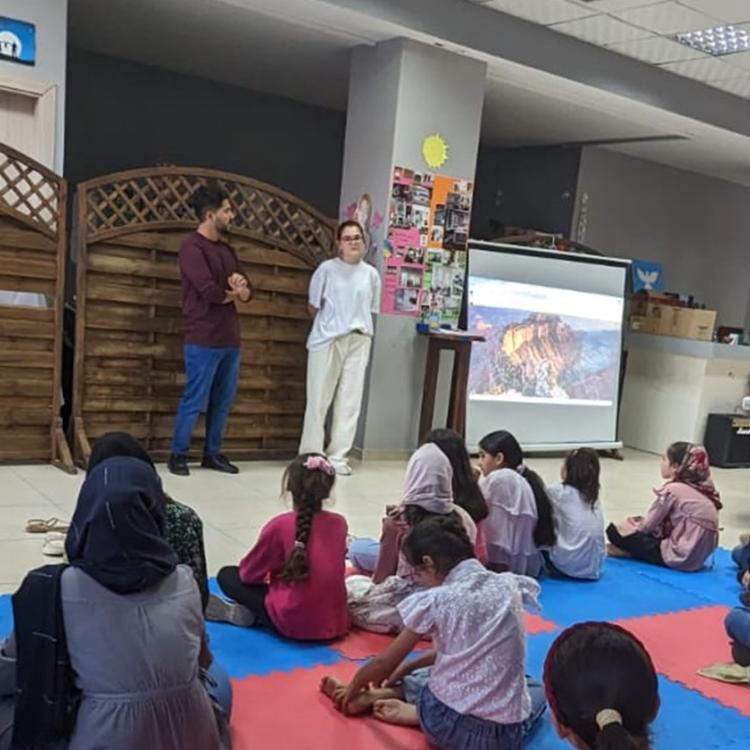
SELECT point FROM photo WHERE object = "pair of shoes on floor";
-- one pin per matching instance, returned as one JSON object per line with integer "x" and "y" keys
{"x": 342, "y": 468}
{"x": 178, "y": 464}
{"x": 220, "y": 610}
{"x": 54, "y": 544}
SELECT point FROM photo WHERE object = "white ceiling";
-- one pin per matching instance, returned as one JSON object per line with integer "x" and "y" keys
{"x": 299, "y": 49}
{"x": 645, "y": 30}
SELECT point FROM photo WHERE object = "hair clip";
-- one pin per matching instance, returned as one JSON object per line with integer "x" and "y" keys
{"x": 299, "y": 545}
{"x": 521, "y": 469}
{"x": 319, "y": 463}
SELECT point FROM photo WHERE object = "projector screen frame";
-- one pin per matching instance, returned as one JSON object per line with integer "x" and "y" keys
{"x": 522, "y": 250}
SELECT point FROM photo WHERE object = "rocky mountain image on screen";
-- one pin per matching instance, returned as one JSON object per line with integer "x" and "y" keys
{"x": 540, "y": 355}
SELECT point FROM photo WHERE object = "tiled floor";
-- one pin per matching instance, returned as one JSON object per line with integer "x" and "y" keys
{"x": 233, "y": 508}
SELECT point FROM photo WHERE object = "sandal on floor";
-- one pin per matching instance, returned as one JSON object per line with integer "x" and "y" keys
{"x": 42, "y": 526}
{"x": 220, "y": 610}
{"x": 54, "y": 544}
{"x": 732, "y": 673}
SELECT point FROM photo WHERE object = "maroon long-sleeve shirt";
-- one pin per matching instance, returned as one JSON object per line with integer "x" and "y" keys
{"x": 205, "y": 267}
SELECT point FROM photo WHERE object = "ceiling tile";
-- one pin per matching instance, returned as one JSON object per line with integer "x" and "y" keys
{"x": 739, "y": 60}
{"x": 656, "y": 49}
{"x": 708, "y": 69}
{"x": 604, "y": 6}
{"x": 600, "y": 30}
{"x": 729, "y": 11}
{"x": 542, "y": 11}
{"x": 736, "y": 86}
{"x": 667, "y": 18}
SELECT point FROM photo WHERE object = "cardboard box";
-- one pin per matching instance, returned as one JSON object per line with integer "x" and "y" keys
{"x": 694, "y": 324}
{"x": 643, "y": 303}
{"x": 663, "y": 315}
{"x": 643, "y": 324}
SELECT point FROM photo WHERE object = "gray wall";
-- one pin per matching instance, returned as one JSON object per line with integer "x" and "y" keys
{"x": 51, "y": 20}
{"x": 124, "y": 115}
{"x": 533, "y": 188}
{"x": 698, "y": 227}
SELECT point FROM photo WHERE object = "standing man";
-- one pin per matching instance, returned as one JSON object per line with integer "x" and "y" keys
{"x": 212, "y": 281}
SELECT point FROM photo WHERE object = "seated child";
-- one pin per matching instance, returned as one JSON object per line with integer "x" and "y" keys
{"x": 741, "y": 556}
{"x": 601, "y": 687}
{"x": 428, "y": 490}
{"x": 292, "y": 581}
{"x": 520, "y": 521}
{"x": 579, "y": 551}
{"x": 737, "y": 622}
{"x": 475, "y": 696}
{"x": 681, "y": 529}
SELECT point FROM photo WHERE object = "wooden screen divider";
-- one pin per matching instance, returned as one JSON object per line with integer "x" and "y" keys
{"x": 128, "y": 360}
{"x": 33, "y": 209}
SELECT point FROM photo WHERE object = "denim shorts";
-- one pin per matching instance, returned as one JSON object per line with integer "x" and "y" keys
{"x": 449, "y": 730}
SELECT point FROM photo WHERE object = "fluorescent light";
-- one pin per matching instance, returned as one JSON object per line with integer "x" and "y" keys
{"x": 719, "y": 40}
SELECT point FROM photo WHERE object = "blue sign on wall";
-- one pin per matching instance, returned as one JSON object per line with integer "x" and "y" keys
{"x": 647, "y": 275}
{"x": 17, "y": 41}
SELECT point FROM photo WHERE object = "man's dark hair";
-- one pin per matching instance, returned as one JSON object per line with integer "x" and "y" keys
{"x": 207, "y": 198}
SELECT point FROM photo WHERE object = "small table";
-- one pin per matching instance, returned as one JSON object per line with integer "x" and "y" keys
{"x": 460, "y": 343}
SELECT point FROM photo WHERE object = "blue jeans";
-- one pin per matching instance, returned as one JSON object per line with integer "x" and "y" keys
{"x": 449, "y": 730}
{"x": 212, "y": 374}
{"x": 741, "y": 556}
{"x": 220, "y": 688}
{"x": 364, "y": 553}
{"x": 737, "y": 625}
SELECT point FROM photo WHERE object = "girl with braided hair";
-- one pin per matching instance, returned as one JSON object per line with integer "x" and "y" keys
{"x": 292, "y": 580}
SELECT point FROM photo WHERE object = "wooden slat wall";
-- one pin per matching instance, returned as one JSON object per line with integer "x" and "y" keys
{"x": 32, "y": 259}
{"x": 129, "y": 371}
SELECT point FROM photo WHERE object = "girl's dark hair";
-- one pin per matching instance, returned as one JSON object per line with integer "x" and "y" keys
{"x": 443, "y": 538}
{"x": 114, "y": 444}
{"x": 677, "y": 451}
{"x": 582, "y": 472}
{"x": 502, "y": 441}
{"x": 309, "y": 488}
{"x": 596, "y": 666}
{"x": 349, "y": 223}
{"x": 466, "y": 492}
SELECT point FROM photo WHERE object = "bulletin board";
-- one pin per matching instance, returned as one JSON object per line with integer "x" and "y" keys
{"x": 425, "y": 248}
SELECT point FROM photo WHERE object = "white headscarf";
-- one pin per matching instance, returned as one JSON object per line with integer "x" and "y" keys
{"x": 429, "y": 481}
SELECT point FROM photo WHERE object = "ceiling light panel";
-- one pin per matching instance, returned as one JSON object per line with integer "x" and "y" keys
{"x": 542, "y": 11}
{"x": 718, "y": 40}
{"x": 729, "y": 11}
{"x": 656, "y": 50}
{"x": 667, "y": 18}
{"x": 601, "y": 29}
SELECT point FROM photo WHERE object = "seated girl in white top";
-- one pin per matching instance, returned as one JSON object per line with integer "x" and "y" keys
{"x": 580, "y": 549}
{"x": 520, "y": 520}
{"x": 476, "y": 695}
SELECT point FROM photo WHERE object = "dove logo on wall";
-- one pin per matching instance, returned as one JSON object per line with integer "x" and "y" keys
{"x": 647, "y": 275}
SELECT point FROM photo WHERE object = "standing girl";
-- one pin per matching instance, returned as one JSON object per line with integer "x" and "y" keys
{"x": 292, "y": 581}
{"x": 601, "y": 687}
{"x": 681, "y": 529}
{"x": 475, "y": 696}
{"x": 579, "y": 550}
{"x": 344, "y": 295}
{"x": 520, "y": 520}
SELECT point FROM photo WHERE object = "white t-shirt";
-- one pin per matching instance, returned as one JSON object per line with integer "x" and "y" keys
{"x": 346, "y": 295}
{"x": 580, "y": 549}
{"x": 476, "y": 620}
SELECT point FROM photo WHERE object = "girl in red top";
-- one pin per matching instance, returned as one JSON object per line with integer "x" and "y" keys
{"x": 292, "y": 580}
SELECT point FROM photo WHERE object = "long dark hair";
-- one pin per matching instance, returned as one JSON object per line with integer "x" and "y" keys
{"x": 677, "y": 451}
{"x": 596, "y": 666}
{"x": 309, "y": 487}
{"x": 466, "y": 492}
{"x": 502, "y": 441}
{"x": 582, "y": 472}
{"x": 119, "y": 444}
{"x": 443, "y": 538}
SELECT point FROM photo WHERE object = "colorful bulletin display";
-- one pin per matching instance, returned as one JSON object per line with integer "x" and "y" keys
{"x": 425, "y": 248}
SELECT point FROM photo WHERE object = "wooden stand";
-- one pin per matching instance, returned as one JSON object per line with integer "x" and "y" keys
{"x": 461, "y": 346}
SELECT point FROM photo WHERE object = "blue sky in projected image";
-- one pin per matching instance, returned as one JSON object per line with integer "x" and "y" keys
{"x": 595, "y": 311}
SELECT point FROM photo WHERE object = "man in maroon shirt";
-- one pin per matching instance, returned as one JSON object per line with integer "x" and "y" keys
{"x": 212, "y": 281}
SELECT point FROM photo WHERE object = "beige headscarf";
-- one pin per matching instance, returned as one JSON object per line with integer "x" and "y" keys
{"x": 429, "y": 481}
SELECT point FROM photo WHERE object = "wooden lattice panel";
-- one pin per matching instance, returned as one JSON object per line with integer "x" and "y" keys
{"x": 129, "y": 369}
{"x": 32, "y": 262}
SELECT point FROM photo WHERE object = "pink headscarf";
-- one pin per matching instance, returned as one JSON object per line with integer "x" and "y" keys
{"x": 429, "y": 481}
{"x": 695, "y": 471}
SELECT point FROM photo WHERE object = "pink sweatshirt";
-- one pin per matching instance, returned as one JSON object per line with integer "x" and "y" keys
{"x": 687, "y": 522}
{"x": 313, "y": 609}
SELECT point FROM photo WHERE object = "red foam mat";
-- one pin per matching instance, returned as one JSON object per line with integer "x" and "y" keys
{"x": 287, "y": 710}
{"x": 680, "y": 643}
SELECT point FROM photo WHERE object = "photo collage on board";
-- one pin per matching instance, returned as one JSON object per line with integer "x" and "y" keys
{"x": 425, "y": 248}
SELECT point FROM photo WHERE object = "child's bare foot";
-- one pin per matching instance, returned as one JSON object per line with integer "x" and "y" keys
{"x": 394, "y": 711}
{"x": 363, "y": 703}
{"x": 613, "y": 551}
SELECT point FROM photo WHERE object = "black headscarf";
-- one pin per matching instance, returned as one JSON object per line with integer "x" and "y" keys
{"x": 117, "y": 444}
{"x": 117, "y": 532}
{"x": 117, "y": 538}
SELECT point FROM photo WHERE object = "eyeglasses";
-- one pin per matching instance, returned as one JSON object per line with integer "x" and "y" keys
{"x": 355, "y": 238}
